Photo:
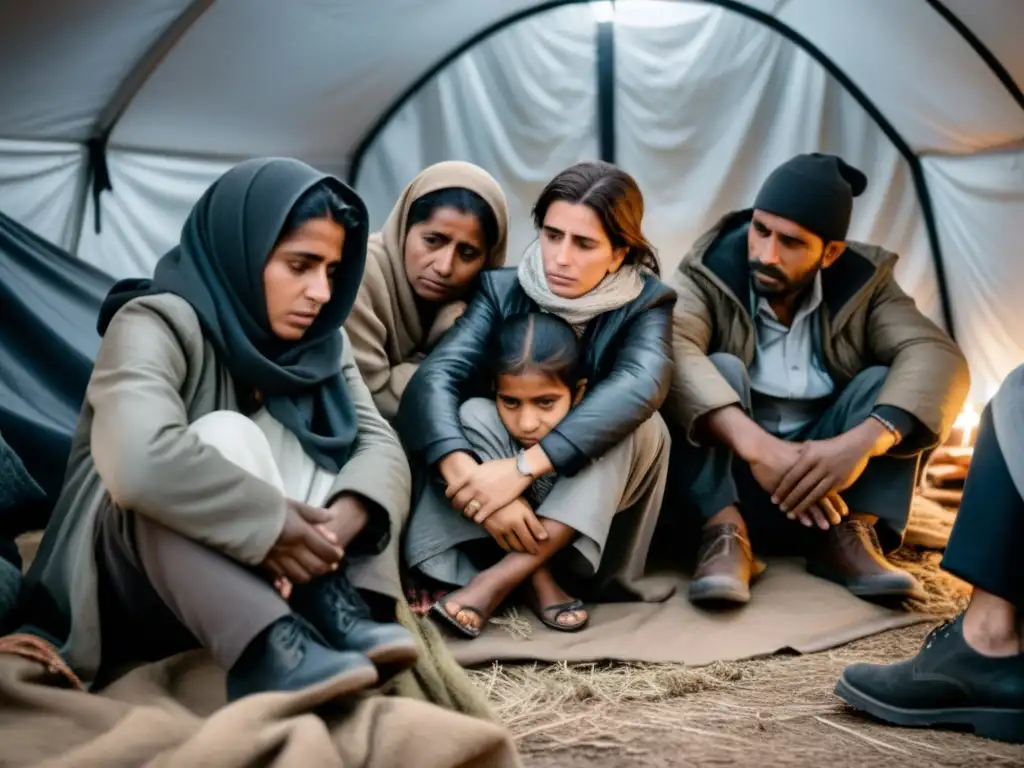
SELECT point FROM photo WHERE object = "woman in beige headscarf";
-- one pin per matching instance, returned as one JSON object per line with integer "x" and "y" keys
{"x": 450, "y": 223}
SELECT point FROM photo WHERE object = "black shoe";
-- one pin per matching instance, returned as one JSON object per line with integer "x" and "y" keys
{"x": 339, "y": 613}
{"x": 290, "y": 655}
{"x": 948, "y": 683}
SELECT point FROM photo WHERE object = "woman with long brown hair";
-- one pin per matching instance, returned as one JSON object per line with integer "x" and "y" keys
{"x": 592, "y": 267}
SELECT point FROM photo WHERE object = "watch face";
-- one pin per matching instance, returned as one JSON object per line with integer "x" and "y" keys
{"x": 521, "y": 463}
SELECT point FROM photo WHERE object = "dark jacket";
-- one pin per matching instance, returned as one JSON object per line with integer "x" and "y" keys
{"x": 627, "y": 361}
{"x": 866, "y": 320}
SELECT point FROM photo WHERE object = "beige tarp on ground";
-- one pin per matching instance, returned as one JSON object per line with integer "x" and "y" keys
{"x": 169, "y": 715}
{"x": 789, "y": 610}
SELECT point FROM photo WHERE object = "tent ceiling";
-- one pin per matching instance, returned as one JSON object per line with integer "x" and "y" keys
{"x": 993, "y": 23}
{"x": 334, "y": 68}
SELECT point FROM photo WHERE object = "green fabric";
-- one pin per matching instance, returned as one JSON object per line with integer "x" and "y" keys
{"x": 437, "y": 677}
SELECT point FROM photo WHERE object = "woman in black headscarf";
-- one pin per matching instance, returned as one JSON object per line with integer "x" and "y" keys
{"x": 231, "y": 483}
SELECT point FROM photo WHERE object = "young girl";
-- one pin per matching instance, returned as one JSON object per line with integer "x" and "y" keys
{"x": 536, "y": 374}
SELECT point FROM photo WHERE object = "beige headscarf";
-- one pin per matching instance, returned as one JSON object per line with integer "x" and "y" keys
{"x": 387, "y": 333}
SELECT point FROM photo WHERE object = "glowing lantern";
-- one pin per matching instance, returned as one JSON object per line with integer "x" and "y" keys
{"x": 967, "y": 421}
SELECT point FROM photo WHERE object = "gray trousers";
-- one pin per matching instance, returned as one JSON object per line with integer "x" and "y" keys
{"x": 163, "y": 593}
{"x": 717, "y": 479}
{"x": 613, "y": 504}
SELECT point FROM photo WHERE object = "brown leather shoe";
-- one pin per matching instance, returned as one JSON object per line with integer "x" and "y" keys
{"x": 725, "y": 566}
{"x": 850, "y": 554}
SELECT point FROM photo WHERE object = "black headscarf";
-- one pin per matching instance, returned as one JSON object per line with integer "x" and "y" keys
{"x": 218, "y": 269}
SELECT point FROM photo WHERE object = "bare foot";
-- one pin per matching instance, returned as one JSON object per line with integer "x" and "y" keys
{"x": 473, "y": 604}
{"x": 549, "y": 593}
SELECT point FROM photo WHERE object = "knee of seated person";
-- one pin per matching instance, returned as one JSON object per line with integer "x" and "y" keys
{"x": 732, "y": 369}
{"x": 478, "y": 411}
{"x": 656, "y": 430}
{"x": 238, "y": 439}
{"x": 217, "y": 426}
{"x": 651, "y": 439}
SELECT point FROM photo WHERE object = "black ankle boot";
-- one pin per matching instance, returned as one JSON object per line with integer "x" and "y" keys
{"x": 339, "y": 613}
{"x": 290, "y": 655}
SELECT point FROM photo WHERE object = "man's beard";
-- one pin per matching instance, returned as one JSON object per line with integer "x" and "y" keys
{"x": 783, "y": 287}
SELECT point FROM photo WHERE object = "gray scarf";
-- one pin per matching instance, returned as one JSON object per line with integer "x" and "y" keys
{"x": 616, "y": 290}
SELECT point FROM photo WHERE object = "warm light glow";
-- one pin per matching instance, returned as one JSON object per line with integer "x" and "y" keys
{"x": 967, "y": 421}
{"x": 604, "y": 11}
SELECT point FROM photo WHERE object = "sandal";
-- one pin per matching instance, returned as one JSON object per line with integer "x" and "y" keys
{"x": 560, "y": 609}
{"x": 451, "y": 622}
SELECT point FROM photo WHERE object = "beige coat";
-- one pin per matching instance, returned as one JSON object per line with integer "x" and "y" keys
{"x": 154, "y": 375}
{"x": 385, "y": 324}
{"x": 867, "y": 320}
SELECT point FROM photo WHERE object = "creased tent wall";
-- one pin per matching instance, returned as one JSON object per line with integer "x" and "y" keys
{"x": 522, "y": 104}
{"x": 707, "y": 101}
{"x": 980, "y": 200}
{"x": 303, "y": 78}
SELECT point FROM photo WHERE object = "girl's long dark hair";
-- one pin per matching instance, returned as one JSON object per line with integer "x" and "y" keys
{"x": 537, "y": 342}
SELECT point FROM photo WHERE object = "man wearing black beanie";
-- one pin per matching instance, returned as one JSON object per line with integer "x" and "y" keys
{"x": 807, "y": 384}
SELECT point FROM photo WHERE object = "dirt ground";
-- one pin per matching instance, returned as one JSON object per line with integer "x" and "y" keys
{"x": 778, "y": 712}
{"x": 773, "y": 713}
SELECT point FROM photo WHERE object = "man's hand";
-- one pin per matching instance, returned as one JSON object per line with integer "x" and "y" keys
{"x": 830, "y": 466}
{"x": 350, "y": 517}
{"x": 487, "y": 488}
{"x": 774, "y": 461}
{"x": 306, "y": 546}
{"x": 516, "y": 528}
{"x": 770, "y": 464}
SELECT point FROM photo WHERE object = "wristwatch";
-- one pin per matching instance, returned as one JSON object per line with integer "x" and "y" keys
{"x": 522, "y": 465}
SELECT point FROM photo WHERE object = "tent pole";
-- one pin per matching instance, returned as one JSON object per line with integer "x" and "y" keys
{"x": 606, "y": 90}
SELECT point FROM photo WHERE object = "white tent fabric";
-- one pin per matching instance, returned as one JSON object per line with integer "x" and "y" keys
{"x": 710, "y": 102}
{"x": 42, "y": 185}
{"x": 523, "y": 105}
{"x": 982, "y": 203}
{"x": 708, "y": 97}
{"x": 143, "y": 219}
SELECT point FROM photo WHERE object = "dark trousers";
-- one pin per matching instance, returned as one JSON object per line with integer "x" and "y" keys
{"x": 162, "y": 593}
{"x": 984, "y": 548}
{"x": 10, "y": 585}
{"x": 718, "y": 479}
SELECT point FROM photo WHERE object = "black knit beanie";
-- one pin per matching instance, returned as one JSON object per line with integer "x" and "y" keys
{"x": 816, "y": 191}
